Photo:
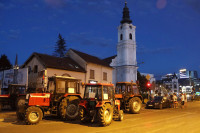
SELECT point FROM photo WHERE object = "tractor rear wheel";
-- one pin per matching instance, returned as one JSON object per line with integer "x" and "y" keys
{"x": 83, "y": 116}
{"x": 135, "y": 105}
{"x": 20, "y": 102}
{"x": 69, "y": 110}
{"x": 105, "y": 115}
{"x": 21, "y": 112}
{"x": 20, "y": 115}
{"x": 33, "y": 115}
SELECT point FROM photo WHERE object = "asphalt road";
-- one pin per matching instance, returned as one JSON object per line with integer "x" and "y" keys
{"x": 168, "y": 120}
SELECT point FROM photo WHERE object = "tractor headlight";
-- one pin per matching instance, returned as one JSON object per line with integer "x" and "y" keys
{"x": 27, "y": 96}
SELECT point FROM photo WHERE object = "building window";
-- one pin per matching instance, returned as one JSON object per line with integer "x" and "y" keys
{"x": 174, "y": 86}
{"x": 35, "y": 69}
{"x": 105, "y": 76}
{"x": 130, "y": 36}
{"x": 91, "y": 74}
{"x": 121, "y": 37}
{"x": 29, "y": 69}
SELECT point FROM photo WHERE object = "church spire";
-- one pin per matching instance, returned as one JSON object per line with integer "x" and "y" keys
{"x": 126, "y": 17}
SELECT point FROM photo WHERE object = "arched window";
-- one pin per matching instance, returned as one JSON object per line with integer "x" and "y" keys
{"x": 130, "y": 36}
{"x": 121, "y": 37}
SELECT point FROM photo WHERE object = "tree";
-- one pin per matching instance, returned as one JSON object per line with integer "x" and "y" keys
{"x": 60, "y": 47}
{"x": 142, "y": 82}
{"x": 5, "y": 63}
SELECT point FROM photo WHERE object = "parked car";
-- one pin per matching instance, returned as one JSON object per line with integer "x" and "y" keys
{"x": 158, "y": 102}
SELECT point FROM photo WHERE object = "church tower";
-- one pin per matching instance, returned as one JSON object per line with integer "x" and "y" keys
{"x": 125, "y": 65}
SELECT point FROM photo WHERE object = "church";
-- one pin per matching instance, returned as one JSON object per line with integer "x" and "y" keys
{"x": 125, "y": 64}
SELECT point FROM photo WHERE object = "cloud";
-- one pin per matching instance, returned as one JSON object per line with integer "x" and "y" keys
{"x": 87, "y": 38}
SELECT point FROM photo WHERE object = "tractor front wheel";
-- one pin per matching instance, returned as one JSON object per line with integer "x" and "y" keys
{"x": 33, "y": 115}
{"x": 105, "y": 115}
{"x": 135, "y": 105}
{"x": 83, "y": 116}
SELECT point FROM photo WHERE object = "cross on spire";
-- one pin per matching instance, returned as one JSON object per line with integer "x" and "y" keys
{"x": 126, "y": 17}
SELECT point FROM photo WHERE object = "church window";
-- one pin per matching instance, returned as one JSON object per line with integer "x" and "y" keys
{"x": 121, "y": 37}
{"x": 130, "y": 36}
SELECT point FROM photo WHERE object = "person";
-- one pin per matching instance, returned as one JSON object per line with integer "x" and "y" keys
{"x": 185, "y": 100}
{"x": 182, "y": 100}
{"x": 175, "y": 101}
{"x": 171, "y": 100}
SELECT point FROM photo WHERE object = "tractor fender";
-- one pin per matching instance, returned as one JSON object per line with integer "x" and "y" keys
{"x": 132, "y": 96}
{"x": 83, "y": 103}
{"x": 101, "y": 103}
{"x": 73, "y": 95}
{"x": 41, "y": 109}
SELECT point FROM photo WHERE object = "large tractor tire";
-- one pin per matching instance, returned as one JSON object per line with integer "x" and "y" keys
{"x": 20, "y": 102}
{"x": 135, "y": 105}
{"x": 33, "y": 115}
{"x": 69, "y": 110}
{"x": 105, "y": 115}
{"x": 83, "y": 115}
{"x": 21, "y": 113}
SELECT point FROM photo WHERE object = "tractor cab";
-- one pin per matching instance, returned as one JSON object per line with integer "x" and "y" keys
{"x": 61, "y": 85}
{"x": 17, "y": 89}
{"x": 99, "y": 92}
{"x": 126, "y": 88}
{"x": 14, "y": 89}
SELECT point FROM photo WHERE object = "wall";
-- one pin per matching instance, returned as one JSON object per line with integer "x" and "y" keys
{"x": 99, "y": 73}
{"x": 32, "y": 77}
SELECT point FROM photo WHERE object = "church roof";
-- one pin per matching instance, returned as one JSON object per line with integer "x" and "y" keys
{"x": 64, "y": 63}
{"x": 90, "y": 58}
{"x": 108, "y": 60}
{"x": 126, "y": 17}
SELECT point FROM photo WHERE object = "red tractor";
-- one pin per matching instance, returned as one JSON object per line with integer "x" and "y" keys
{"x": 99, "y": 104}
{"x": 61, "y": 99}
{"x": 14, "y": 96}
{"x": 129, "y": 96}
